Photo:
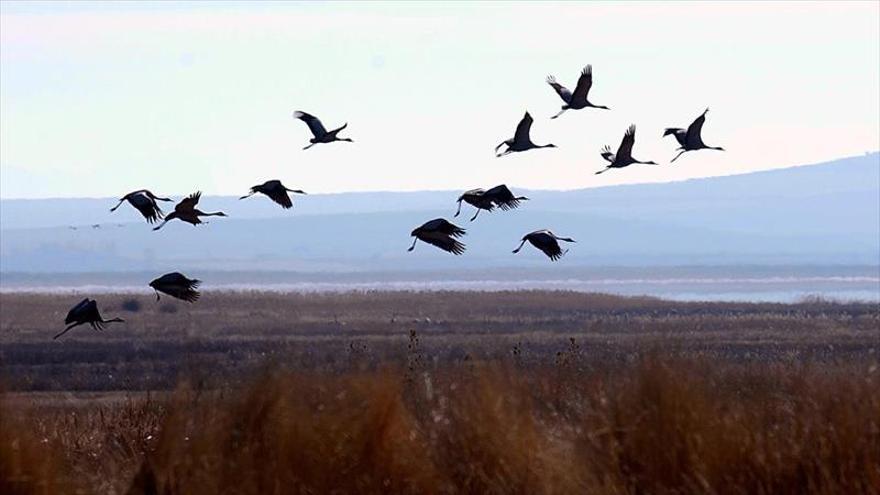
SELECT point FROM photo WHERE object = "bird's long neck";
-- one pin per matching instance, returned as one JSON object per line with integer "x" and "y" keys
{"x": 459, "y": 208}
{"x": 549, "y": 145}
{"x": 117, "y": 204}
{"x": 212, "y": 214}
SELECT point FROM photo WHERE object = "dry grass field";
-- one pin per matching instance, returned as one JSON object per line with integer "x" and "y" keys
{"x": 449, "y": 392}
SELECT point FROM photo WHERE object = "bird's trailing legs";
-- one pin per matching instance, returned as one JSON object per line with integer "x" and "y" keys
{"x": 66, "y": 330}
{"x": 519, "y": 247}
{"x": 678, "y": 155}
{"x": 560, "y": 113}
{"x": 475, "y": 215}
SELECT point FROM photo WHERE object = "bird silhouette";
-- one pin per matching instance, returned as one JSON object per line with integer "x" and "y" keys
{"x": 86, "y": 312}
{"x": 623, "y": 157}
{"x": 175, "y": 284}
{"x": 499, "y": 196}
{"x": 276, "y": 191}
{"x": 547, "y": 242}
{"x": 321, "y": 135}
{"x": 690, "y": 139}
{"x": 145, "y": 202}
{"x": 186, "y": 211}
{"x": 578, "y": 99}
{"x": 441, "y": 233}
{"x": 521, "y": 141}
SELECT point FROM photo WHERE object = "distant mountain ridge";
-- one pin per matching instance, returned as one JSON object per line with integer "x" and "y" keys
{"x": 824, "y": 213}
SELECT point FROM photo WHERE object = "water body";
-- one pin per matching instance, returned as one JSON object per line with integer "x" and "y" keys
{"x": 759, "y": 289}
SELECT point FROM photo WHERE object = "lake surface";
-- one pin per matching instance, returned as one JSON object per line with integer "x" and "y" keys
{"x": 692, "y": 288}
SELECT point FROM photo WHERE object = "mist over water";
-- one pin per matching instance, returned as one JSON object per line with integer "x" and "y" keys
{"x": 759, "y": 289}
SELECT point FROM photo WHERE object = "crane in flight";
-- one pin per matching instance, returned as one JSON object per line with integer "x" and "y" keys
{"x": 276, "y": 191}
{"x": 521, "y": 141}
{"x": 319, "y": 133}
{"x": 578, "y": 99}
{"x": 547, "y": 242}
{"x": 690, "y": 139}
{"x": 144, "y": 201}
{"x": 623, "y": 157}
{"x": 86, "y": 311}
{"x": 441, "y": 233}
{"x": 186, "y": 211}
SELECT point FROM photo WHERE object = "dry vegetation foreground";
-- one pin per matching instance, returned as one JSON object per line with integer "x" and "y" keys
{"x": 511, "y": 392}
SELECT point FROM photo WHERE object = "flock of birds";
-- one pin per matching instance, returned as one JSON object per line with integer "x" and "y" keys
{"x": 438, "y": 232}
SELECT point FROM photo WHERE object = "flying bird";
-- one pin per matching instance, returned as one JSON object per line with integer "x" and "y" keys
{"x": 499, "y": 196}
{"x": 690, "y": 139}
{"x": 521, "y": 140}
{"x": 321, "y": 135}
{"x": 578, "y": 99}
{"x": 276, "y": 191}
{"x": 441, "y": 233}
{"x": 145, "y": 202}
{"x": 186, "y": 211}
{"x": 175, "y": 284}
{"x": 86, "y": 312}
{"x": 547, "y": 242}
{"x": 623, "y": 157}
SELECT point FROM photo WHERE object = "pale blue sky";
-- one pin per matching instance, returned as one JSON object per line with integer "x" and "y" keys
{"x": 99, "y": 99}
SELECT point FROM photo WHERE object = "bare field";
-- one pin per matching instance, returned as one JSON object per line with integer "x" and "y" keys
{"x": 225, "y": 335}
{"x": 444, "y": 392}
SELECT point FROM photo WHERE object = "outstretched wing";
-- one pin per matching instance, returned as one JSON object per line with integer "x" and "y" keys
{"x": 677, "y": 132}
{"x": 522, "y": 129}
{"x": 314, "y": 124}
{"x": 550, "y": 247}
{"x": 77, "y": 310}
{"x": 561, "y": 90}
{"x": 443, "y": 242}
{"x": 607, "y": 154}
{"x": 280, "y": 196}
{"x": 90, "y": 311}
{"x": 148, "y": 207}
{"x": 442, "y": 226}
{"x": 626, "y": 145}
{"x": 449, "y": 228}
{"x": 189, "y": 202}
{"x": 585, "y": 82}
{"x": 177, "y": 285}
{"x": 693, "y": 138}
{"x": 503, "y": 197}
